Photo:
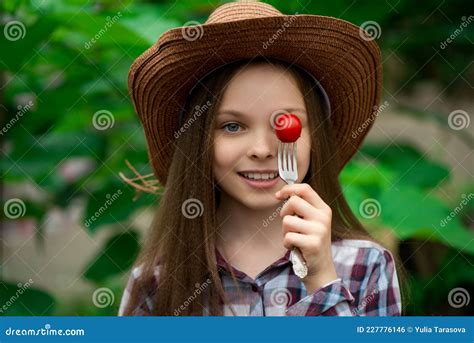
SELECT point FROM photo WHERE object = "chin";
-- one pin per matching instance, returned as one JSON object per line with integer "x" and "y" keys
{"x": 260, "y": 201}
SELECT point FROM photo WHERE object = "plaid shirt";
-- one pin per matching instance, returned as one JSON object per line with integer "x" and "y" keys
{"x": 367, "y": 286}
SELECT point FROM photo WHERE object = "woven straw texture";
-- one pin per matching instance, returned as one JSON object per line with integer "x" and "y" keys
{"x": 347, "y": 66}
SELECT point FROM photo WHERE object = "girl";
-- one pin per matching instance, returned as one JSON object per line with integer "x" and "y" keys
{"x": 218, "y": 245}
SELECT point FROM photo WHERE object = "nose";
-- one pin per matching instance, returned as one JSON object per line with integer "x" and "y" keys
{"x": 263, "y": 146}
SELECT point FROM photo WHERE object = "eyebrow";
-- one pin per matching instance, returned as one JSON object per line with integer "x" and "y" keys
{"x": 240, "y": 114}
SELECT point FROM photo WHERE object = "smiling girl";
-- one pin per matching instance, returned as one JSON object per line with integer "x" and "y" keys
{"x": 220, "y": 243}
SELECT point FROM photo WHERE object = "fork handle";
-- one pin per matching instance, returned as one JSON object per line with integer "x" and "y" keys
{"x": 299, "y": 264}
{"x": 300, "y": 267}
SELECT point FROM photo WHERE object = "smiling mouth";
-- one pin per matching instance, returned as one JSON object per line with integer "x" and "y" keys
{"x": 261, "y": 179}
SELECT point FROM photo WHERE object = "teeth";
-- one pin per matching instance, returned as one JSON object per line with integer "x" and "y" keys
{"x": 260, "y": 176}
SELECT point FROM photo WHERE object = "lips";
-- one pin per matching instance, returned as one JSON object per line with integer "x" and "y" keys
{"x": 272, "y": 175}
{"x": 260, "y": 183}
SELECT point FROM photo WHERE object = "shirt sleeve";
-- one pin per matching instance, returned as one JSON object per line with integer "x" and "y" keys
{"x": 379, "y": 294}
{"x": 127, "y": 292}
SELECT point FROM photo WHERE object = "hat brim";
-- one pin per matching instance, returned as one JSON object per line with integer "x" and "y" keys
{"x": 347, "y": 66}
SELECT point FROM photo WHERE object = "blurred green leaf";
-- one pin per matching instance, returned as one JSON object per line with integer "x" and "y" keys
{"x": 153, "y": 19}
{"x": 40, "y": 159}
{"x": 99, "y": 32}
{"x": 366, "y": 175}
{"x": 116, "y": 257}
{"x": 34, "y": 37}
{"x": 413, "y": 214}
{"x": 112, "y": 203}
{"x": 24, "y": 300}
{"x": 410, "y": 166}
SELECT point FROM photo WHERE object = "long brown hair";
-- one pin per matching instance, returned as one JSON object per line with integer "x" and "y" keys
{"x": 184, "y": 245}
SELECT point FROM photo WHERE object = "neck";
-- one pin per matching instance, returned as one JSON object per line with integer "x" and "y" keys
{"x": 254, "y": 227}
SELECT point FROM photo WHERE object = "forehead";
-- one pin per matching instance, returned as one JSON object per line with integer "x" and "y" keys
{"x": 261, "y": 88}
{"x": 288, "y": 109}
{"x": 262, "y": 82}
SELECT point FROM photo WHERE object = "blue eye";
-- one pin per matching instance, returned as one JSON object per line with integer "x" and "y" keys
{"x": 230, "y": 124}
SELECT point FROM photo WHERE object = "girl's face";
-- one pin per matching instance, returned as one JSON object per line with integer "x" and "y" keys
{"x": 247, "y": 141}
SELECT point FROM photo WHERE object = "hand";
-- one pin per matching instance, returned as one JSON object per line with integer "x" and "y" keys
{"x": 307, "y": 225}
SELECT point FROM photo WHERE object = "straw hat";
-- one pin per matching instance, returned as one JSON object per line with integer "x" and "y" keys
{"x": 341, "y": 56}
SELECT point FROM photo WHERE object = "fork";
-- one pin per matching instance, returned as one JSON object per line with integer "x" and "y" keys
{"x": 288, "y": 171}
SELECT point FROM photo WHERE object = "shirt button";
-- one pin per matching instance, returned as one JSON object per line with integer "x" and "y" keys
{"x": 254, "y": 288}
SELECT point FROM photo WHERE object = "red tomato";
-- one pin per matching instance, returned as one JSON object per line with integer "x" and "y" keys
{"x": 288, "y": 127}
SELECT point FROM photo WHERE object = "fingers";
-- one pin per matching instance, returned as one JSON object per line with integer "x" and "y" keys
{"x": 298, "y": 225}
{"x": 294, "y": 239}
{"x": 300, "y": 207}
{"x": 306, "y": 192}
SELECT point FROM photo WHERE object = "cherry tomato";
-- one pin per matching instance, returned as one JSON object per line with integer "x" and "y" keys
{"x": 288, "y": 127}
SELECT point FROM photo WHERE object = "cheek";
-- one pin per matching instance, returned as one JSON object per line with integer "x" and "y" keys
{"x": 224, "y": 155}
{"x": 304, "y": 149}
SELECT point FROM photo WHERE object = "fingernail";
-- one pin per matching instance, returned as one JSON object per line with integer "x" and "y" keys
{"x": 277, "y": 193}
